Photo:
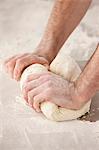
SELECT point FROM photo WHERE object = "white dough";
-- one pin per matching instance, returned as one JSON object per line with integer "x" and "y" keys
{"x": 66, "y": 67}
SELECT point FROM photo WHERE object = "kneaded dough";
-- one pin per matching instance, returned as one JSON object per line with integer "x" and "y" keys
{"x": 66, "y": 67}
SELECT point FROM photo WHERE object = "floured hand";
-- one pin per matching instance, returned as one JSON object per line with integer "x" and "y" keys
{"x": 16, "y": 64}
{"x": 50, "y": 87}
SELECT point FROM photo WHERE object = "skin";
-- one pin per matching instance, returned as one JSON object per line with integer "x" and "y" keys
{"x": 47, "y": 87}
{"x": 64, "y": 18}
{"x": 51, "y": 87}
{"x": 15, "y": 65}
{"x": 88, "y": 82}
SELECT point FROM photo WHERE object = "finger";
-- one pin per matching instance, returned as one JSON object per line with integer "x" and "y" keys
{"x": 36, "y": 76}
{"x": 38, "y": 99}
{"x": 30, "y": 102}
{"x": 42, "y": 88}
{"x": 10, "y": 67}
{"x": 37, "y": 59}
{"x": 8, "y": 59}
{"x": 10, "y": 64}
{"x": 31, "y": 95}
{"x": 33, "y": 77}
{"x": 37, "y": 102}
{"x": 15, "y": 56}
{"x": 41, "y": 60}
{"x": 28, "y": 86}
{"x": 21, "y": 64}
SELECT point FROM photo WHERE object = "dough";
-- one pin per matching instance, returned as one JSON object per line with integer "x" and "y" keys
{"x": 66, "y": 67}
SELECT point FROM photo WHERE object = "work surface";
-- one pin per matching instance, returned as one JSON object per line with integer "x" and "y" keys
{"x": 21, "y": 128}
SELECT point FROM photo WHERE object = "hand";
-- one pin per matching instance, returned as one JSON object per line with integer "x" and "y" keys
{"x": 50, "y": 87}
{"x": 15, "y": 65}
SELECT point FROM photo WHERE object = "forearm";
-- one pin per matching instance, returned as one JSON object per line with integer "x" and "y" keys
{"x": 88, "y": 82}
{"x": 65, "y": 16}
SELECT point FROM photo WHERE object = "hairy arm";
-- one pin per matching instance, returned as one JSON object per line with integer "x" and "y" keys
{"x": 64, "y": 18}
{"x": 88, "y": 82}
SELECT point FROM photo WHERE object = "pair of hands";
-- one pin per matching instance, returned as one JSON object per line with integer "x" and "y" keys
{"x": 42, "y": 87}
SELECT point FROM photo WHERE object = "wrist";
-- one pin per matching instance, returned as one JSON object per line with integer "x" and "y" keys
{"x": 44, "y": 53}
{"x": 41, "y": 53}
{"x": 48, "y": 46}
{"x": 81, "y": 95}
{"x": 77, "y": 98}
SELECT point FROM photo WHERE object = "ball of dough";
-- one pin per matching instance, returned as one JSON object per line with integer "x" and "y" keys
{"x": 66, "y": 67}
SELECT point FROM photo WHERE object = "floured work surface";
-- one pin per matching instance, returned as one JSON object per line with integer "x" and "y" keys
{"x": 22, "y": 128}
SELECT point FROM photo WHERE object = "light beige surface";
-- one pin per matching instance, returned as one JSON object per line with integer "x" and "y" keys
{"x": 20, "y": 127}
